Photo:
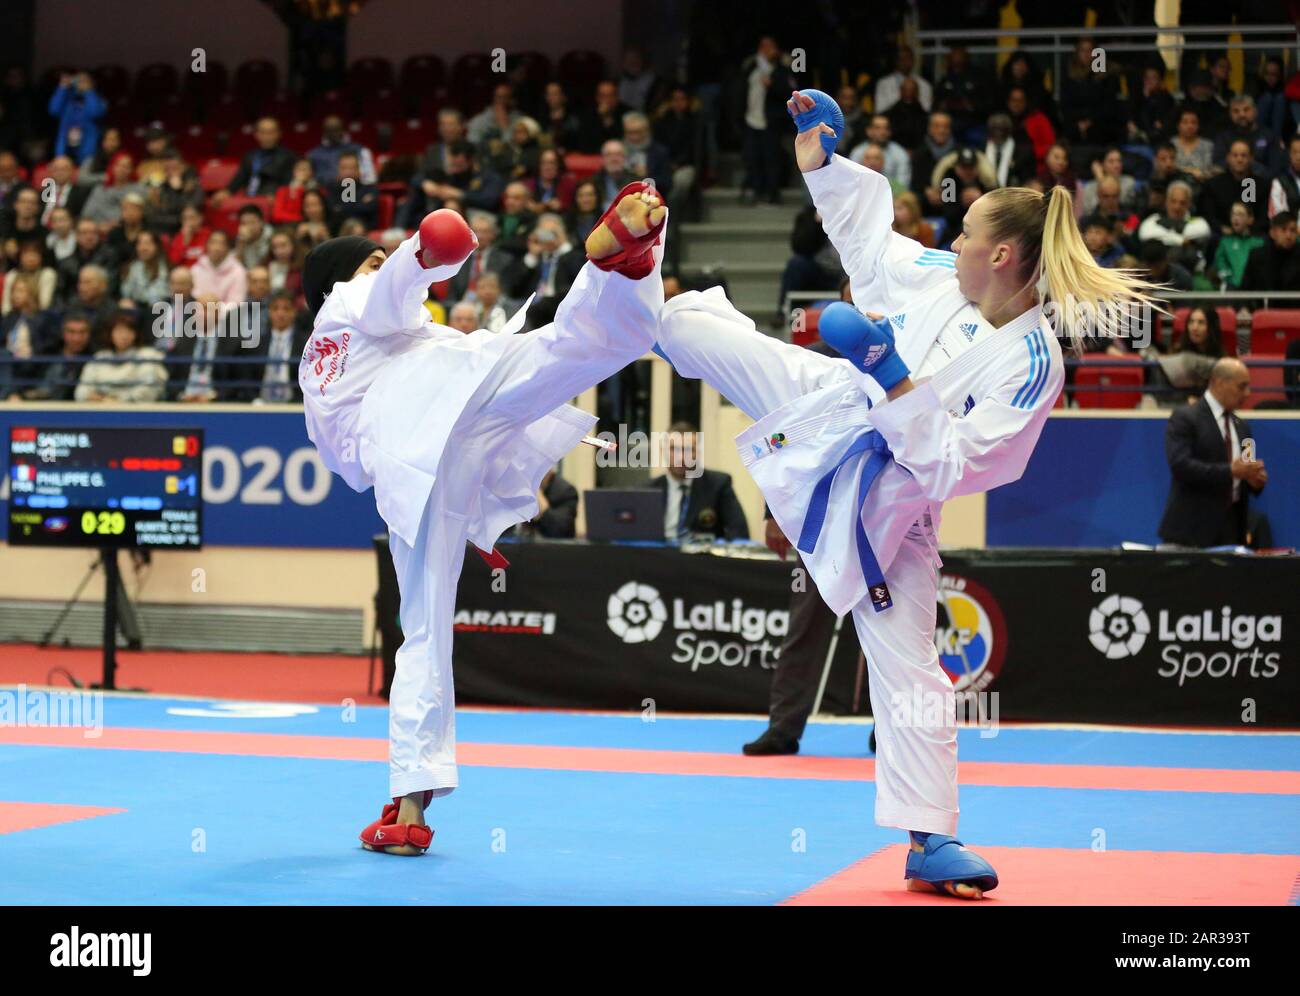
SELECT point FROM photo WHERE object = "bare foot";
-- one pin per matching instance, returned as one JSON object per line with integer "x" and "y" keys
{"x": 638, "y": 212}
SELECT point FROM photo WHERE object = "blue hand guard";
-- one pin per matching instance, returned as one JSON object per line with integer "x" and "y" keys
{"x": 824, "y": 111}
{"x": 866, "y": 342}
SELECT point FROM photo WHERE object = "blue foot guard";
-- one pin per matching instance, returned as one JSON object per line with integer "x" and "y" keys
{"x": 945, "y": 859}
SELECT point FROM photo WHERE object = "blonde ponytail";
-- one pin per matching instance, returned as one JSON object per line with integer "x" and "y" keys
{"x": 1080, "y": 297}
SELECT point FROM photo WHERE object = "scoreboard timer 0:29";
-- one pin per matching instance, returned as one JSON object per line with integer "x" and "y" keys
{"x": 106, "y": 486}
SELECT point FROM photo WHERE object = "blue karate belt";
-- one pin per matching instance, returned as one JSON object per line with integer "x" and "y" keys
{"x": 873, "y": 442}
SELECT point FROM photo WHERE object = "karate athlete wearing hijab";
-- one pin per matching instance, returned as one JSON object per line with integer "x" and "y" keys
{"x": 944, "y": 394}
{"x": 455, "y": 433}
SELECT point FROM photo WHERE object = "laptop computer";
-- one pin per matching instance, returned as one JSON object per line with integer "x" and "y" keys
{"x": 625, "y": 514}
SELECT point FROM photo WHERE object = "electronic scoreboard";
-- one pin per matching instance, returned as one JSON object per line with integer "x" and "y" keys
{"x": 106, "y": 486}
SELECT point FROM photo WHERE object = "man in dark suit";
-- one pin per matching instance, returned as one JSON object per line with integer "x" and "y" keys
{"x": 1210, "y": 454}
{"x": 489, "y": 257}
{"x": 698, "y": 500}
{"x": 281, "y": 340}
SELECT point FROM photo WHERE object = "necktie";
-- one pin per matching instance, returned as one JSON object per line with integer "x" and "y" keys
{"x": 685, "y": 506}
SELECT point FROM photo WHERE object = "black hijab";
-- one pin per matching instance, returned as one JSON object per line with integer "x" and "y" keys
{"x": 331, "y": 261}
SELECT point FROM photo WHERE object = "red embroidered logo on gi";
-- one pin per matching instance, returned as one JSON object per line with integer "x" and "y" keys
{"x": 323, "y": 349}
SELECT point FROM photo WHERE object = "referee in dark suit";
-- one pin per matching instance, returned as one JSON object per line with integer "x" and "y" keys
{"x": 1212, "y": 479}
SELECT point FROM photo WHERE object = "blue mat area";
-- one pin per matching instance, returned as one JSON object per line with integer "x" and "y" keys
{"x": 207, "y": 828}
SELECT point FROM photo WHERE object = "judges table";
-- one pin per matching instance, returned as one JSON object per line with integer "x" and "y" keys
{"x": 1100, "y": 636}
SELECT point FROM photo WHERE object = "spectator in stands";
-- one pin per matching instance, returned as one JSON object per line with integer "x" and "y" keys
{"x": 318, "y": 221}
{"x": 147, "y": 280}
{"x": 768, "y": 81}
{"x": 1234, "y": 249}
{"x": 517, "y": 219}
{"x": 32, "y": 264}
{"x": 1211, "y": 110}
{"x": 1211, "y": 484}
{"x": 11, "y": 181}
{"x": 1089, "y": 97}
{"x": 1010, "y": 155}
{"x": 1021, "y": 71}
{"x": 639, "y": 88}
{"x": 186, "y": 246}
{"x": 168, "y": 327}
{"x": 908, "y": 221}
{"x": 93, "y": 166}
{"x": 26, "y": 329}
{"x": 93, "y": 294}
{"x": 495, "y": 121}
{"x": 121, "y": 237}
{"x": 218, "y": 273}
{"x": 1243, "y": 182}
{"x": 1111, "y": 164}
{"x": 937, "y": 144}
{"x": 259, "y": 290}
{"x": 476, "y": 188}
{"x": 515, "y": 158}
{"x": 335, "y": 142}
{"x": 1284, "y": 194}
{"x": 59, "y": 186}
{"x": 126, "y": 371}
{"x": 351, "y": 196}
{"x": 549, "y": 269}
{"x": 1184, "y": 234}
{"x": 62, "y": 239}
{"x": 872, "y": 156}
{"x": 58, "y": 379}
{"x": 1276, "y": 264}
{"x": 965, "y": 94}
{"x": 78, "y": 107}
{"x": 603, "y": 120}
{"x": 280, "y": 345}
{"x": 898, "y": 164}
{"x": 889, "y": 86}
{"x": 178, "y": 188}
{"x": 22, "y": 223}
{"x": 463, "y": 317}
{"x": 252, "y": 237}
{"x": 557, "y": 119}
{"x": 488, "y": 258}
{"x": 961, "y": 178}
{"x": 644, "y": 156}
{"x": 1164, "y": 171}
{"x": 1270, "y": 97}
{"x": 285, "y": 265}
{"x": 1263, "y": 144}
{"x": 1099, "y": 237}
{"x": 451, "y": 129}
{"x": 265, "y": 169}
{"x": 90, "y": 249}
{"x": 201, "y": 377}
{"x": 157, "y": 144}
{"x": 907, "y": 118}
{"x": 699, "y": 502}
{"x": 1181, "y": 376}
{"x": 104, "y": 205}
{"x": 552, "y": 188}
{"x": 287, "y": 206}
{"x": 1161, "y": 268}
{"x": 492, "y": 313}
{"x": 1028, "y": 119}
{"x": 613, "y": 175}
{"x": 1193, "y": 154}
{"x": 1152, "y": 111}
{"x": 814, "y": 265}
{"x": 1056, "y": 171}
{"x": 850, "y": 104}
{"x": 585, "y": 212}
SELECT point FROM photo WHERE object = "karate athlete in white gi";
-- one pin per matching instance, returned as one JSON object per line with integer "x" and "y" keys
{"x": 944, "y": 394}
{"x": 455, "y": 433}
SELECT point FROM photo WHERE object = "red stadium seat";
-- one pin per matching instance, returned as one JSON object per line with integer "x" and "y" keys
{"x": 113, "y": 82}
{"x": 216, "y": 173}
{"x": 472, "y": 82}
{"x": 206, "y": 88}
{"x": 422, "y": 77}
{"x": 301, "y": 136}
{"x": 1265, "y": 382}
{"x": 411, "y": 135}
{"x": 370, "y": 74}
{"x": 226, "y": 217}
{"x": 256, "y": 81}
{"x": 195, "y": 142}
{"x": 1098, "y": 371}
{"x": 582, "y": 164}
{"x": 1227, "y": 326}
{"x": 1273, "y": 329}
{"x": 387, "y": 209}
{"x": 154, "y": 83}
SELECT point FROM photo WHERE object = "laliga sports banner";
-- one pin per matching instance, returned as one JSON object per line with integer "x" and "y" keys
{"x": 1049, "y": 635}
{"x": 263, "y": 481}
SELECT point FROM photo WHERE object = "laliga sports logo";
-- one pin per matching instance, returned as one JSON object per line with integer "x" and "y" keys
{"x": 1118, "y": 627}
{"x": 636, "y": 613}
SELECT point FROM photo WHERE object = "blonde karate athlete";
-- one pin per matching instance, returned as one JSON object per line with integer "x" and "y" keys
{"x": 942, "y": 393}
{"x": 455, "y": 433}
